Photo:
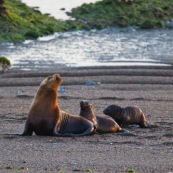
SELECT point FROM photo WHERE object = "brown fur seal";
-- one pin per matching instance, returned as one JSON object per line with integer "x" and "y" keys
{"x": 45, "y": 117}
{"x": 102, "y": 124}
{"x": 75, "y": 124}
{"x": 126, "y": 116}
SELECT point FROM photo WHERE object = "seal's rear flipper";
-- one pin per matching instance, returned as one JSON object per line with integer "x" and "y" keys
{"x": 151, "y": 125}
{"x": 28, "y": 129}
{"x": 87, "y": 132}
{"x": 144, "y": 126}
{"x": 71, "y": 135}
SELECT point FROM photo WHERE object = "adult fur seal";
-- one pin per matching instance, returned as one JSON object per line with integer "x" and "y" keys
{"x": 126, "y": 116}
{"x": 102, "y": 124}
{"x": 45, "y": 117}
{"x": 75, "y": 124}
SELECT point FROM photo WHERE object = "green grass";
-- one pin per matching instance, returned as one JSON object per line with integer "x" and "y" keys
{"x": 23, "y": 22}
{"x": 4, "y": 60}
{"x": 144, "y": 14}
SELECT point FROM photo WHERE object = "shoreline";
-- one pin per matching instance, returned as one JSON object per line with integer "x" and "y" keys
{"x": 103, "y": 47}
{"x": 98, "y": 15}
{"x": 55, "y": 8}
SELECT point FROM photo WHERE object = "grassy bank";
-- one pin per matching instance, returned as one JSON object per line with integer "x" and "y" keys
{"x": 21, "y": 22}
{"x": 145, "y": 14}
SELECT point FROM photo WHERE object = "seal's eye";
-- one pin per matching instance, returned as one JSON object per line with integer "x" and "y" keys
{"x": 49, "y": 77}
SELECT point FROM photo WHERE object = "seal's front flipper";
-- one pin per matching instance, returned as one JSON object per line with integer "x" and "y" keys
{"x": 28, "y": 129}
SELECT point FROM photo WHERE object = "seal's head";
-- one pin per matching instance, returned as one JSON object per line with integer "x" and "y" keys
{"x": 86, "y": 108}
{"x": 84, "y": 104}
{"x": 52, "y": 81}
{"x": 87, "y": 111}
{"x": 111, "y": 110}
{"x": 48, "y": 88}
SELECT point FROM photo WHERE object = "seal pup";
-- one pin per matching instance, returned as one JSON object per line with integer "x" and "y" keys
{"x": 45, "y": 117}
{"x": 126, "y": 116}
{"x": 102, "y": 124}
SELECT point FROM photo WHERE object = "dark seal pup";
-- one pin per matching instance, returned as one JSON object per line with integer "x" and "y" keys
{"x": 126, "y": 116}
{"x": 102, "y": 124}
{"x": 45, "y": 117}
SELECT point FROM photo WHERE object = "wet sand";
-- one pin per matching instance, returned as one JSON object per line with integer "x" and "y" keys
{"x": 148, "y": 151}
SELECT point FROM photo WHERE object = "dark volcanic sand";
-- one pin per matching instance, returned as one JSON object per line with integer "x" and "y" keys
{"x": 150, "y": 151}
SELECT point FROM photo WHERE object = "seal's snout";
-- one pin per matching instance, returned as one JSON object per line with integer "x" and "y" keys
{"x": 105, "y": 111}
{"x": 58, "y": 77}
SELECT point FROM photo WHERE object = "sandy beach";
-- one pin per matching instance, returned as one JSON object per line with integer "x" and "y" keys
{"x": 146, "y": 151}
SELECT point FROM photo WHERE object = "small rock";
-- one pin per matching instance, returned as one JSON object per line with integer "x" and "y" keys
{"x": 62, "y": 89}
{"x": 92, "y": 83}
{"x": 62, "y": 9}
{"x": 8, "y": 167}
